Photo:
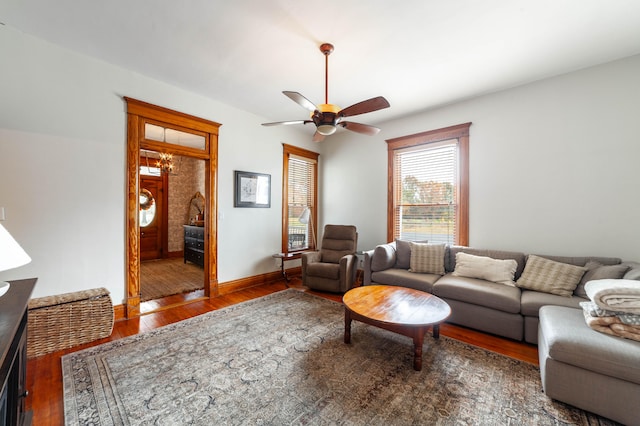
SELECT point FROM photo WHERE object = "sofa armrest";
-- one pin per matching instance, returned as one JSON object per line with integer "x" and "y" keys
{"x": 634, "y": 271}
{"x": 368, "y": 255}
{"x": 379, "y": 259}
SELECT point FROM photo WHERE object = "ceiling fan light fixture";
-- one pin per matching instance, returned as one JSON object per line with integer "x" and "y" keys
{"x": 329, "y": 108}
{"x": 326, "y": 129}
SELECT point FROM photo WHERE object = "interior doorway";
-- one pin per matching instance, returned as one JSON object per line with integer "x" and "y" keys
{"x": 171, "y": 230}
{"x": 168, "y": 133}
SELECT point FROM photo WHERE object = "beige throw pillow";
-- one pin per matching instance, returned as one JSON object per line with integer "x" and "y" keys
{"x": 485, "y": 268}
{"x": 548, "y": 276}
{"x": 427, "y": 258}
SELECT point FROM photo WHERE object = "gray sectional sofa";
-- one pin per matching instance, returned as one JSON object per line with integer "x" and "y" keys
{"x": 578, "y": 365}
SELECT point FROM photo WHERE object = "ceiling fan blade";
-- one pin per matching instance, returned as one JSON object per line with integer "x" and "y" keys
{"x": 360, "y": 128}
{"x": 317, "y": 137}
{"x": 277, "y": 123}
{"x": 370, "y": 105}
{"x": 301, "y": 100}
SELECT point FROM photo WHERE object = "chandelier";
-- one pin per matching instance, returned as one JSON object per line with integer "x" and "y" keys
{"x": 165, "y": 163}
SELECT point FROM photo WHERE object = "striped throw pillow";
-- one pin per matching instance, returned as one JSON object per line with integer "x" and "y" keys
{"x": 549, "y": 276}
{"x": 427, "y": 258}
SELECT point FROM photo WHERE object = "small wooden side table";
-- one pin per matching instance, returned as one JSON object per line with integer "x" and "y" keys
{"x": 285, "y": 258}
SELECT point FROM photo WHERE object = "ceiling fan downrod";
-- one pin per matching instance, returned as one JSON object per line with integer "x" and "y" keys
{"x": 326, "y": 49}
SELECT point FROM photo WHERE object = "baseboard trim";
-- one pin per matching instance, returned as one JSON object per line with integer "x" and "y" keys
{"x": 119, "y": 312}
{"x": 269, "y": 277}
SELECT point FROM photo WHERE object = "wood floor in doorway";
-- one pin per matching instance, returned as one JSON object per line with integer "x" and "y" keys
{"x": 166, "y": 277}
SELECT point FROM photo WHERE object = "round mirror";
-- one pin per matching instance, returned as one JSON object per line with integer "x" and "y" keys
{"x": 147, "y": 208}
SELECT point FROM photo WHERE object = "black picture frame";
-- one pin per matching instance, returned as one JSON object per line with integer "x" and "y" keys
{"x": 252, "y": 190}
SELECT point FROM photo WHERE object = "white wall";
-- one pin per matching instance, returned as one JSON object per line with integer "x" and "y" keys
{"x": 553, "y": 166}
{"x": 63, "y": 160}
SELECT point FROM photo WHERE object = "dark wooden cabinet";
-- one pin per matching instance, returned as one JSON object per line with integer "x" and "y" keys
{"x": 13, "y": 350}
{"x": 194, "y": 244}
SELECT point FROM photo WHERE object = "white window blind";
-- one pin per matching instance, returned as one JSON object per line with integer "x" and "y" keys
{"x": 425, "y": 192}
{"x": 301, "y": 197}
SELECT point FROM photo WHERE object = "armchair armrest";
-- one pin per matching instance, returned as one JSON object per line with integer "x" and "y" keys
{"x": 307, "y": 258}
{"x": 311, "y": 256}
{"x": 348, "y": 270}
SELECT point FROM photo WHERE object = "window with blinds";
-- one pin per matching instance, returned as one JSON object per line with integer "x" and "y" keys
{"x": 428, "y": 186}
{"x": 299, "y": 200}
{"x": 425, "y": 192}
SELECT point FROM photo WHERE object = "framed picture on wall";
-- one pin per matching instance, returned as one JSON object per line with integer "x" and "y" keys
{"x": 252, "y": 189}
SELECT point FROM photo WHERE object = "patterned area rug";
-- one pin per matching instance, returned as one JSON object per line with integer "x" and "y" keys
{"x": 281, "y": 360}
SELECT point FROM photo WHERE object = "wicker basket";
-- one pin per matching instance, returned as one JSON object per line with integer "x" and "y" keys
{"x": 67, "y": 320}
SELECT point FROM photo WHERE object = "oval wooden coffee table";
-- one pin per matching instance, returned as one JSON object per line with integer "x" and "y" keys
{"x": 399, "y": 309}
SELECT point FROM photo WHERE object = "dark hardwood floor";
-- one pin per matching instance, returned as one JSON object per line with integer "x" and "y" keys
{"x": 44, "y": 374}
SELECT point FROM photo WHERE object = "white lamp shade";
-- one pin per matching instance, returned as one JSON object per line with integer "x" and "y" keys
{"x": 304, "y": 216}
{"x": 11, "y": 254}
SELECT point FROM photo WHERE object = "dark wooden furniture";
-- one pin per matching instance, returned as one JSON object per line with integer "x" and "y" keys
{"x": 13, "y": 352}
{"x": 284, "y": 257}
{"x": 402, "y": 310}
{"x": 194, "y": 244}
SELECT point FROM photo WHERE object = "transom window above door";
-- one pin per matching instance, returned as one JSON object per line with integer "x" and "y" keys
{"x": 158, "y": 133}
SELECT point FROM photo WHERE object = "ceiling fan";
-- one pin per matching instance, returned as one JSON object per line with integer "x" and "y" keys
{"x": 327, "y": 117}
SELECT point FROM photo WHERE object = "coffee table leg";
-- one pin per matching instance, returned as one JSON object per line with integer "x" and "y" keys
{"x": 347, "y": 326}
{"x": 418, "y": 340}
{"x": 436, "y": 331}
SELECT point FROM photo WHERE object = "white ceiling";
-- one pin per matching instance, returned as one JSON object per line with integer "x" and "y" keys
{"x": 417, "y": 53}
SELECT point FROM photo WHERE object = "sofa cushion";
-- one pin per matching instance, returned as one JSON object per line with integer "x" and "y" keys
{"x": 478, "y": 292}
{"x": 598, "y": 271}
{"x": 324, "y": 270}
{"x": 532, "y": 301}
{"x": 403, "y": 253}
{"x": 452, "y": 251}
{"x": 427, "y": 258}
{"x": 384, "y": 257}
{"x": 581, "y": 260}
{"x": 495, "y": 270}
{"x": 571, "y": 341}
{"x": 404, "y": 278}
{"x": 549, "y": 276}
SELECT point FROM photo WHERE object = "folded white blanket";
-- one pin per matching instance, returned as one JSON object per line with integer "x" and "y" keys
{"x": 615, "y": 295}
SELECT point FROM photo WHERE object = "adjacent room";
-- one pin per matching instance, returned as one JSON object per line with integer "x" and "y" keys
{"x": 358, "y": 212}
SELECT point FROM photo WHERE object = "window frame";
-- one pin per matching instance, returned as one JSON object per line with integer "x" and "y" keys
{"x": 459, "y": 132}
{"x": 288, "y": 151}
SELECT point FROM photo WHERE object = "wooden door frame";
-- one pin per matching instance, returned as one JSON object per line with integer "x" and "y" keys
{"x": 139, "y": 113}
